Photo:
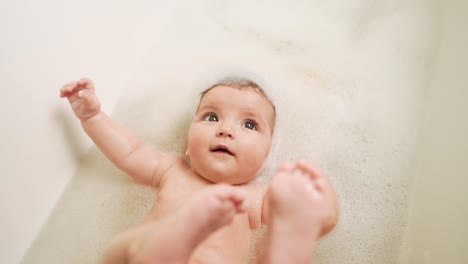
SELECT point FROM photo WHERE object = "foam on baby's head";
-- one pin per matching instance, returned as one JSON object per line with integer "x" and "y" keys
{"x": 236, "y": 76}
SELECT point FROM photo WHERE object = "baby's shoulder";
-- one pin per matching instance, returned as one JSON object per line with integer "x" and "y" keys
{"x": 170, "y": 163}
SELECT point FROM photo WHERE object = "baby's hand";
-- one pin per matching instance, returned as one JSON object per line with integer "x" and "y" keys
{"x": 82, "y": 98}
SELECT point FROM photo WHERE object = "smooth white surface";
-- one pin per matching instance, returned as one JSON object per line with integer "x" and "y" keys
{"x": 438, "y": 210}
{"x": 44, "y": 45}
{"x": 351, "y": 78}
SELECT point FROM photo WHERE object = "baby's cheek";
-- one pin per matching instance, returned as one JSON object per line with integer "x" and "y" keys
{"x": 256, "y": 158}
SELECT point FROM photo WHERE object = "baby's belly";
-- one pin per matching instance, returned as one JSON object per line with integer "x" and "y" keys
{"x": 230, "y": 244}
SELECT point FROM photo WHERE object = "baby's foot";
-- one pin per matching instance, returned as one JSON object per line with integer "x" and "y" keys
{"x": 173, "y": 239}
{"x": 330, "y": 199}
{"x": 297, "y": 215}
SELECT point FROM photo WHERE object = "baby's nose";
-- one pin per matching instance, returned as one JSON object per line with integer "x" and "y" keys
{"x": 224, "y": 131}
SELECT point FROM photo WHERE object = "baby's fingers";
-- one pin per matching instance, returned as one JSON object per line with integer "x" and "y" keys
{"x": 67, "y": 89}
{"x": 237, "y": 197}
{"x": 86, "y": 83}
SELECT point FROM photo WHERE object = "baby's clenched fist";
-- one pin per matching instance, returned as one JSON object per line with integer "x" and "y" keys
{"x": 82, "y": 98}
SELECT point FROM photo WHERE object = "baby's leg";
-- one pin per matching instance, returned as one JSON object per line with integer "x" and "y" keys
{"x": 296, "y": 214}
{"x": 172, "y": 239}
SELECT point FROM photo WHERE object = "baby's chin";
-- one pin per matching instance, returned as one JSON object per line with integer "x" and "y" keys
{"x": 226, "y": 178}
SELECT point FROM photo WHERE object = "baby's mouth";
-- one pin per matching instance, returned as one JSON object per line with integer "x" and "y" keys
{"x": 222, "y": 149}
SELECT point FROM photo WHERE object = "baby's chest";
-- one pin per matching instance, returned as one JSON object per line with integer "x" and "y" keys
{"x": 175, "y": 192}
{"x": 182, "y": 186}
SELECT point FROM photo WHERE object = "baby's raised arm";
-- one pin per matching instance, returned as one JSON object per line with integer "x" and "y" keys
{"x": 118, "y": 143}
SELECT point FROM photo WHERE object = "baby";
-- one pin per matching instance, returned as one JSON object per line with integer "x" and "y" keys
{"x": 208, "y": 206}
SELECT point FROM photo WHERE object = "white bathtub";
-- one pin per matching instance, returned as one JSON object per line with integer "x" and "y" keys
{"x": 391, "y": 134}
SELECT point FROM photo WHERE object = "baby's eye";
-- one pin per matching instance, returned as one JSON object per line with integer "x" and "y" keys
{"x": 211, "y": 118}
{"x": 250, "y": 125}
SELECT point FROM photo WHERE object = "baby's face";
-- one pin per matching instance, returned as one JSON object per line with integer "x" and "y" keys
{"x": 230, "y": 136}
